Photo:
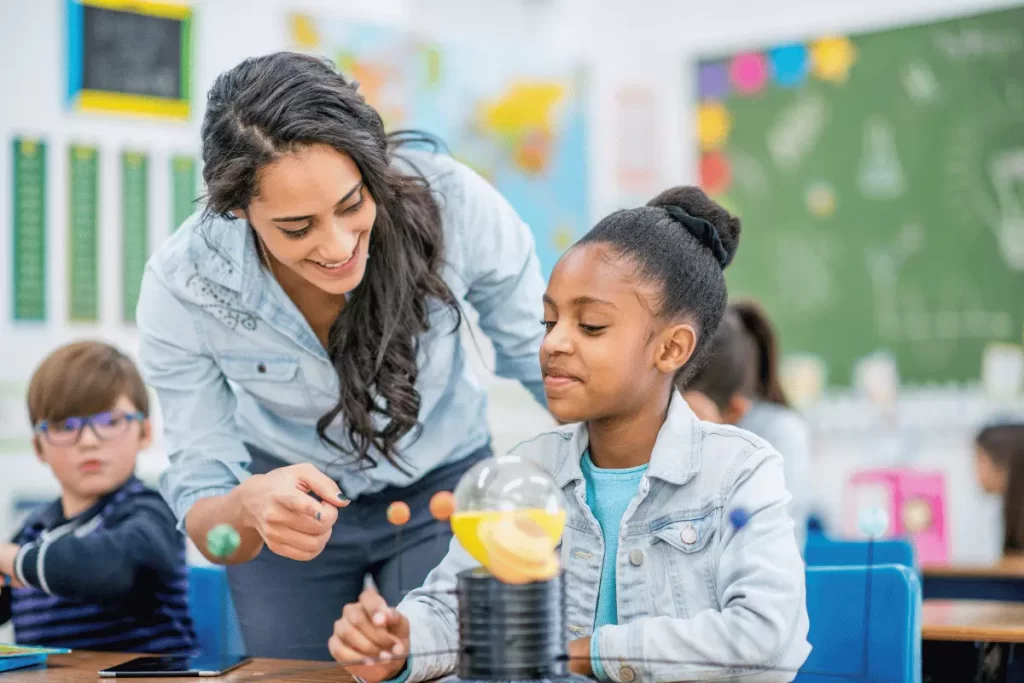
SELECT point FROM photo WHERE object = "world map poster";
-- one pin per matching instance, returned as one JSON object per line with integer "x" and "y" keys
{"x": 516, "y": 119}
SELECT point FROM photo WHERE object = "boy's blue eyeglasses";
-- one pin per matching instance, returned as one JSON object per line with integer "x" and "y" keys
{"x": 106, "y": 426}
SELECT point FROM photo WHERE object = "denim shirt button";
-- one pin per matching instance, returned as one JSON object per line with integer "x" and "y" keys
{"x": 636, "y": 558}
{"x": 627, "y": 675}
{"x": 688, "y": 535}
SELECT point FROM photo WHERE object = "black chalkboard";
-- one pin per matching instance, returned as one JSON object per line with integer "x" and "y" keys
{"x": 134, "y": 54}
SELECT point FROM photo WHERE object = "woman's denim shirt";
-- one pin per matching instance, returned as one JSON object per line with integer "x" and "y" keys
{"x": 232, "y": 360}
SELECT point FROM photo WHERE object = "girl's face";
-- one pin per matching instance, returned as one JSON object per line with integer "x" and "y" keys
{"x": 314, "y": 216}
{"x": 991, "y": 477}
{"x": 605, "y": 353}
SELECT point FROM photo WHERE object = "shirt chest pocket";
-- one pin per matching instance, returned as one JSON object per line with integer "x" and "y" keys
{"x": 685, "y": 575}
{"x": 274, "y": 382}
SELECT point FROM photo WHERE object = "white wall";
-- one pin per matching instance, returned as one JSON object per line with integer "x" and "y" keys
{"x": 645, "y": 42}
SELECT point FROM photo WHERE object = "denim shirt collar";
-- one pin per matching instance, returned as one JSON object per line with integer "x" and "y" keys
{"x": 228, "y": 254}
{"x": 225, "y": 253}
{"x": 675, "y": 458}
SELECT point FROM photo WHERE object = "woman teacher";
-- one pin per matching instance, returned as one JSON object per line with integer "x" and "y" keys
{"x": 302, "y": 337}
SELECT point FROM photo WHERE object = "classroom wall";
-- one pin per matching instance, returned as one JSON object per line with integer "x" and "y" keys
{"x": 644, "y": 42}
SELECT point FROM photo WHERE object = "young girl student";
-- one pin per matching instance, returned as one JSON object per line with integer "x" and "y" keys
{"x": 663, "y": 583}
{"x": 999, "y": 463}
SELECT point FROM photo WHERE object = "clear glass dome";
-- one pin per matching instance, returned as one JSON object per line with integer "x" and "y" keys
{"x": 507, "y": 483}
{"x": 497, "y": 489}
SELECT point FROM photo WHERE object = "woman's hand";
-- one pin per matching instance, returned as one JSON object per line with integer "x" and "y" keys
{"x": 292, "y": 522}
{"x": 371, "y": 631}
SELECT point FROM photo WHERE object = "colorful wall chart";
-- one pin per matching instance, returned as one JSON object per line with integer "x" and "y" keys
{"x": 134, "y": 228}
{"x": 83, "y": 233}
{"x": 880, "y": 179}
{"x": 517, "y": 119}
{"x": 28, "y": 246}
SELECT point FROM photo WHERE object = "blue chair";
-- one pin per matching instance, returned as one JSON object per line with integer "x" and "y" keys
{"x": 865, "y": 625}
{"x": 213, "y": 612}
{"x": 822, "y": 551}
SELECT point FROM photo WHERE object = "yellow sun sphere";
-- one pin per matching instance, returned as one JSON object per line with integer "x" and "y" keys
{"x": 509, "y": 516}
{"x": 832, "y": 58}
{"x": 714, "y": 122}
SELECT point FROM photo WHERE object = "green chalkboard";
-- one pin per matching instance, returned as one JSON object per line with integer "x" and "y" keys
{"x": 880, "y": 179}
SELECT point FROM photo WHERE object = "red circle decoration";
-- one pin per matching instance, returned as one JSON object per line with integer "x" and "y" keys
{"x": 715, "y": 173}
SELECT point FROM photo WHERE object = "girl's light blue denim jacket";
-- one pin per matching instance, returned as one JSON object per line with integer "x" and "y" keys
{"x": 232, "y": 360}
{"x": 698, "y": 598}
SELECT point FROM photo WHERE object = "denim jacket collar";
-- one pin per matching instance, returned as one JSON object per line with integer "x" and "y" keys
{"x": 670, "y": 461}
{"x": 228, "y": 253}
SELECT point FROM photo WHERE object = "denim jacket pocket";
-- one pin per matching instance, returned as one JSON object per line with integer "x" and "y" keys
{"x": 274, "y": 381}
{"x": 686, "y": 577}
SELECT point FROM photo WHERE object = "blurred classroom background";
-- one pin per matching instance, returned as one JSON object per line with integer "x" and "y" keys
{"x": 874, "y": 150}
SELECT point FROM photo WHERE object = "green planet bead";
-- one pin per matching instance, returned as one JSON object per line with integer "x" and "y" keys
{"x": 222, "y": 540}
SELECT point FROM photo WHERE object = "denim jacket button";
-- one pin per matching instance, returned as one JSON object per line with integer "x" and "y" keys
{"x": 627, "y": 675}
{"x": 636, "y": 558}
{"x": 688, "y": 535}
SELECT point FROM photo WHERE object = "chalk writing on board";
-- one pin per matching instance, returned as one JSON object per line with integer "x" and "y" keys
{"x": 919, "y": 81}
{"x": 749, "y": 172}
{"x": 807, "y": 287}
{"x": 880, "y": 175}
{"x": 796, "y": 131}
{"x": 132, "y": 53}
{"x": 1007, "y": 173}
{"x": 970, "y": 42}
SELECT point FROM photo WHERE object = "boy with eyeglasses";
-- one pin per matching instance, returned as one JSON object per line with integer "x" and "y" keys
{"x": 103, "y": 566}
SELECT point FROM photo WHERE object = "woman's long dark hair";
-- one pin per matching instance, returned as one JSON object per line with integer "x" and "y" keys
{"x": 1004, "y": 444}
{"x": 763, "y": 379}
{"x": 271, "y": 105}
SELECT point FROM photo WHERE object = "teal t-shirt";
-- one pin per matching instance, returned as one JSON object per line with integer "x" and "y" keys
{"x": 609, "y": 493}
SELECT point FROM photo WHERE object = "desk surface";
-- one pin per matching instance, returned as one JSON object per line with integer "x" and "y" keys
{"x": 79, "y": 667}
{"x": 1007, "y": 568}
{"x": 973, "y": 621}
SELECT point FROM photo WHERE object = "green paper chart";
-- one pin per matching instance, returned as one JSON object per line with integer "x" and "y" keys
{"x": 134, "y": 227}
{"x": 183, "y": 189}
{"x": 29, "y": 229}
{"x": 880, "y": 179}
{"x": 83, "y": 233}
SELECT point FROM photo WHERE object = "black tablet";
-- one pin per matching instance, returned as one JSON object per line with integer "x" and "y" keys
{"x": 175, "y": 667}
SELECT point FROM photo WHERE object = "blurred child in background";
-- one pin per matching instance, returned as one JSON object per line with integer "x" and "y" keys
{"x": 103, "y": 566}
{"x": 999, "y": 464}
{"x": 715, "y": 393}
{"x": 740, "y": 386}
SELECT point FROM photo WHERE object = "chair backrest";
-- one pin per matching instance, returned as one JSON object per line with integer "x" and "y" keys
{"x": 865, "y": 625}
{"x": 822, "y": 551}
{"x": 213, "y": 612}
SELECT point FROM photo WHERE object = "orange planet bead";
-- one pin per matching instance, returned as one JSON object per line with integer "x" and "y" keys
{"x": 442, "y": 505}
{"x": 398, "y": 513}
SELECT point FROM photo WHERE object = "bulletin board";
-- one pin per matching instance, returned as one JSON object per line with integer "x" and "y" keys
{"x": 129, "y": 57}
{"x": 880, "y": 180}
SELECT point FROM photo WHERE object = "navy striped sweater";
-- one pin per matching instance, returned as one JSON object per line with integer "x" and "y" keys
{"x": 112, "y": 578}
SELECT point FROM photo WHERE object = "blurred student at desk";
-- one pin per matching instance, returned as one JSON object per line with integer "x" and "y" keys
{"x": 740, "y": 386}
{"x": 999, "y": 464}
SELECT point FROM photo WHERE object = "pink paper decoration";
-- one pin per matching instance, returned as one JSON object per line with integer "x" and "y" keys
{"x": 748, "y": 72}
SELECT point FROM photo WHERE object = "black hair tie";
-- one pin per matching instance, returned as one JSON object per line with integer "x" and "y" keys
{"x": 702, "y": 230}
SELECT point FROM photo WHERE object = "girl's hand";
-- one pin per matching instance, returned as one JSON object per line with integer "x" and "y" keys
{"x": 579, "y": 657}
{"x": 279, "y": 507}
{"x": 370, "y": 630}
